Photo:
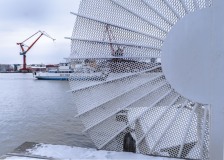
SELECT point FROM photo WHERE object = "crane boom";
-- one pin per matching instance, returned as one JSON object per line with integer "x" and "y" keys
{"x": 24, "y": 51}
{"x": 114, "y": 52}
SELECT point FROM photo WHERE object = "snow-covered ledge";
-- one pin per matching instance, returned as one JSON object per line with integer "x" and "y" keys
{"x": 67, "y": 152}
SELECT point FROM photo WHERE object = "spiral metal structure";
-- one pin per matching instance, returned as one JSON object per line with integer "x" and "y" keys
{"x": 119, "y": 86}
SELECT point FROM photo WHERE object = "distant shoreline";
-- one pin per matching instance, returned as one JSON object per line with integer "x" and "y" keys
{"x": 14, "y": 72}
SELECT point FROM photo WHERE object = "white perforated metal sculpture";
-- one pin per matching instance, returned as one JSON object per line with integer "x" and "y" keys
{"x": 121, "y": 86}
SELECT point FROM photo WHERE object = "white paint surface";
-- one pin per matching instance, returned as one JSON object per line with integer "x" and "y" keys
{"x": 193, "y": 62}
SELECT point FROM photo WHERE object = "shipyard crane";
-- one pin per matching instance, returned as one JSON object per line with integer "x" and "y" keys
{"x": 114, "y": 52}
{"x": 25, "y": 50}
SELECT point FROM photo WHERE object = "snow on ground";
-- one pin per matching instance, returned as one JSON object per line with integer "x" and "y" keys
{"x": 76, "y": 153}
{"x": 20, "y": 158}
{"x": 66, "y": 152}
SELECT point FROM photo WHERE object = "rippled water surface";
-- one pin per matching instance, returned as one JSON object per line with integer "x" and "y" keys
{"x": 37, "y": 111}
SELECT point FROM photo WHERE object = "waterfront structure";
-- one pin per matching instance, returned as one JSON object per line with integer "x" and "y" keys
{"x": 37, "y": 67}
{"x": 163, "y": 116}
{"x": 6, "y": 68}
{"x": 16, "y": 66}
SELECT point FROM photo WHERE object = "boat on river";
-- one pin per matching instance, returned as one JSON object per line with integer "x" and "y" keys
{"x": 64, "y": 71}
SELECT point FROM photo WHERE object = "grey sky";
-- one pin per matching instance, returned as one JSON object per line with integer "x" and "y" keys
{"x": 19, "y": 19}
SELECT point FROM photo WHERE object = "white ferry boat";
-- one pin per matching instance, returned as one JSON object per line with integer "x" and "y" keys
{"x": 64, "y": 71}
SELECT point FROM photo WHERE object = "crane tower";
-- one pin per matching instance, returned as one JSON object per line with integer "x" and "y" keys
{"x": 25, "y": 50}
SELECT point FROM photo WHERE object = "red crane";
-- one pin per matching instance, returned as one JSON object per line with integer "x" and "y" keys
{"x": 24, "y": 51}
{"x": 114, "y": 52}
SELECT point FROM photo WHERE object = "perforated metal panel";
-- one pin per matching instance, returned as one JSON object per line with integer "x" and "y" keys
{"x": 119, "y": 86}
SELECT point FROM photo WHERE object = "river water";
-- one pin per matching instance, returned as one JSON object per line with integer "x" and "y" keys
{"x": 37, "y": 111}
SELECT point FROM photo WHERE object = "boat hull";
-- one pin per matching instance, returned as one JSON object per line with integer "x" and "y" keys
{"x": 51, "y": 78}
{"x": 76, "y": 78}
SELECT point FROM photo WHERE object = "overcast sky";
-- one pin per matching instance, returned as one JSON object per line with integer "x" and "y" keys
{"x": 19, "y": 19}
